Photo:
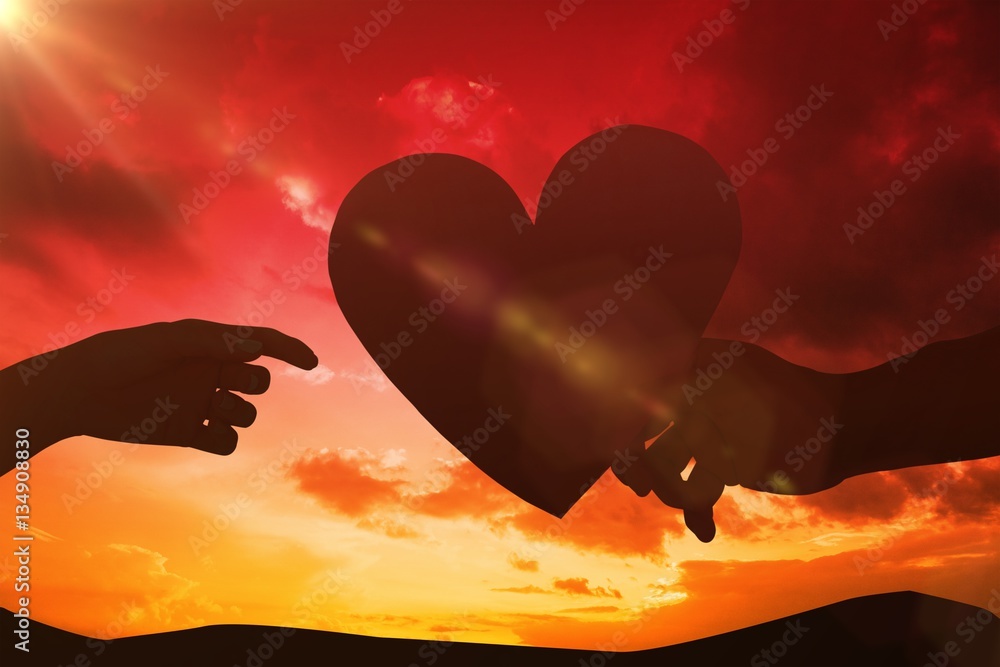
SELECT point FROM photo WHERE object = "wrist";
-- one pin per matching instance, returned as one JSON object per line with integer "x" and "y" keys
{"x": 36, "y": 400}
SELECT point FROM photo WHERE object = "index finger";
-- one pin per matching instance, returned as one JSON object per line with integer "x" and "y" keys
{"x": 284, "y": 347}
{"x": 230, "y": 342}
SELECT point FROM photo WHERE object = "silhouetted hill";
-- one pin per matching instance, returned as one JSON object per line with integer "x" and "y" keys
{"x": 890, "y": 629}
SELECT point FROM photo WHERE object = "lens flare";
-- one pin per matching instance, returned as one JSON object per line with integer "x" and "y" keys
{"x": 10, "y": 13}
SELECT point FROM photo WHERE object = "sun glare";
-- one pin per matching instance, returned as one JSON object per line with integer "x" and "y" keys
{"x": 9, "y": 14}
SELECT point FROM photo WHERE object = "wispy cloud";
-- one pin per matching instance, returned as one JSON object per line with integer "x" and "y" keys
{"x": 523, "y": 564}
{"x": 581, "y": 586}
{"x": 522, "y": 589}
{"x": 317, "y": 376}
{"x": 299, "y": 195}
{"x": 373, "y": 379}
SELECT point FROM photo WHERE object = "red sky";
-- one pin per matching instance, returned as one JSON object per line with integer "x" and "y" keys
{"x": 467, "y": 559}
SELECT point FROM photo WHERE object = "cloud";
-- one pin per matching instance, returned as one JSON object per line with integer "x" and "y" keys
{"x": 355, "y": 482}
{"x": 665, "y": 591}
{"x": 393, "y": 458}
{"x": 372, "y": 378}
{"x": 361, "y": 485}
{"x": 732, "y": 521}
{"x": 609, "y": 518}
{"x": 448, "y": 111}
{"x": 957, "y": 564}
{"x": 861, "y": 296}
{"x": 523, "y": 564}
{"x": 570, "y": 586}
{"x": 961, "y": 492}
{"x": 600, "y": 609}
{"x": 346, "y": 482}
{"x": 121, "y": 213}
{"x": 581, "y": 586}
{"x": 856, "y": 299}
{"x": 447, "y": 628}
{"x": 388, "y": 527}
{"x": 135, "y": 593}
{"x": 530, "y": 589}
{"x": 299, "y": 195}
{"x": 126, "y": 561}
{"x": 466, "y": 491}
{"x": 317, "y": 376}
{"x": 869, "y": 498}
{"x": 97, "y": 199}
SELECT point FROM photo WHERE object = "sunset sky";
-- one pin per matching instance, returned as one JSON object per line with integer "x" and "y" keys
{"x": 353, "y": 513}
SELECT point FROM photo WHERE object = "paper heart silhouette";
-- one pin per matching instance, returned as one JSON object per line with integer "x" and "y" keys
{"x": 540, "y": 351}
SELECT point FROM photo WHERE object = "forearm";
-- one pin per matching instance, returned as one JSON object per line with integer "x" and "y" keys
{"x": 940, "y": 405}
{"x": 30, "y": 402}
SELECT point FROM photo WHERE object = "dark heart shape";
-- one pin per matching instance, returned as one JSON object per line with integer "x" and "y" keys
{"x": 492, "y": 361}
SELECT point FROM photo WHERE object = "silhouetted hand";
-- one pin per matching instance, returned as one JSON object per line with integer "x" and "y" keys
{"x": 749, "y": 417}
{"x": 169, "y": 383}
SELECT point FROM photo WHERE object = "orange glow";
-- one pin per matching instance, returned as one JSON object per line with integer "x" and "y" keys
{"x": 342, "y": 508}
